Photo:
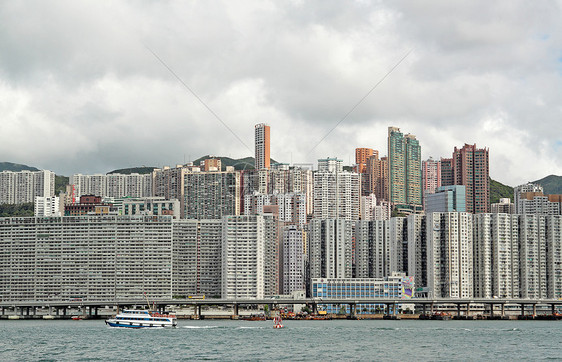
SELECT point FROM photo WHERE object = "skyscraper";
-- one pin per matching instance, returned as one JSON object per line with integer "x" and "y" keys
{"x": 262, "y": 146}
{"x": 404, "y": 170}
{"x": 361, "y": 157}
{"x": 471, "y": 168}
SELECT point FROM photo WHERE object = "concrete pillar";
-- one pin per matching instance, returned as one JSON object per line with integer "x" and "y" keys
{"x": 351, "y": 310}
{"x": 534, "y": 310}
{"x": 503, "y": 310}
{"x": 431, "y": 308}
{"x": 199, "y": 308}
{"x": 314, "y": 308}
{"x": 96, "y": 311}
{"x": 467, "y": 309}
{"x": 3, "y": 310}
{"x": 491, "y": 310}
{"x": 552, "y": 308}
{"x": 458, "y": 310}
{"x": 63, "y": 310}
{"x": 395, "y": 309}
{"x": 424, "y": 306}
{"x": 522, "y": 309}
{"x": 235, "y": 309}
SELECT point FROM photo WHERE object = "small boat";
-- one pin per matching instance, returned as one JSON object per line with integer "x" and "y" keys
{"x": 253, "y": 317}
{"x": 132, "y": 318}
{"x": 441, "y": 316}
{"x": 278, "y": 322}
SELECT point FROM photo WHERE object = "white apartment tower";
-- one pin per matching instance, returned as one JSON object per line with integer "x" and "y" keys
{"x": 23, "y": 186}
{"x": 450, "y": 255}
{"x": 372, "y": 249}
{"x": 336, "y": 193}
{"x": 249, "y": 256}
{"x": 330, "y": 248}
{"x": 496, "y": 255}
{"x": 532, "y": 256}
{"x": 293, "y": 259}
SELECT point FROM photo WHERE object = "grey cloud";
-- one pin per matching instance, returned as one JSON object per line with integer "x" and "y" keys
{"x": 79, "y": 72}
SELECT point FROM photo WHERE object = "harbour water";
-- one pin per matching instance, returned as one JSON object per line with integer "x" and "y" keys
{"x": 380, "y": 340}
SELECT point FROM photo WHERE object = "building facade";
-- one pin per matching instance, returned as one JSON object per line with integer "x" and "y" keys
{"x": 262, "y": 146}
{"x": 23, "y": 186}
{"x": 404, "y": 171}
{"x": 471, "y": 169}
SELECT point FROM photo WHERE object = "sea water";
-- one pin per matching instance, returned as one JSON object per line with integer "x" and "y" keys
{"x": 368, "y": 340}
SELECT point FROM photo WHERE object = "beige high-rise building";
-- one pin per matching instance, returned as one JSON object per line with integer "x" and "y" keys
{"x": 262, "y": 143}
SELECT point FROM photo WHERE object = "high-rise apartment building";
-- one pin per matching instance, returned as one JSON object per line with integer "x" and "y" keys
{"x": 94, "y": 258}
{"x": 372, "y": 209}
{"x": 293, "y": 259}
{"x": 197, "y": 257}
{"x": 47, "y": 206}
{"x": 23, "y": 186}
{"x": 361, "y": 157}
{"x": 375, "y": 178}
{"x": 330, "y": 248}
{"x": 336, "y": 195}
{"x": 211, "y": 195}
{"x": 471, "y": 168}
{"x": 431, "y": 177}
{"x": 262, "y": 144}
{"x": 250, "y": 256}
{"x": 372, "y": 249}
{"x": 447, "y": 172}
{"x": 524, "y": 189}
{"x": 450, "y": 255}
{"x": 505, "y": 206}
{"x": 496, "y": 256}
{"x": 404, "y": 169}
{"x": 446, "y": 199}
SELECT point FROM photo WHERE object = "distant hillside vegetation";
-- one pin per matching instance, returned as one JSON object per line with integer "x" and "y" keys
{"x": 127, "y": 171}
{"x": 500, "y": 191}
{"x": 551, "y": 184}
{"x": 9, "y": 166}
{"x": 12, "y": 210}
{"x": 246, "y": 163}
{"x": 60, "y": 184}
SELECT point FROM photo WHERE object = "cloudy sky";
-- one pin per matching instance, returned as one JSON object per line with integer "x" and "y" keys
{"x": 82, "y": 92}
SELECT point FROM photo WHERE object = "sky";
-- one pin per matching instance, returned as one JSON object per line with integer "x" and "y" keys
{"x": 93, "y": 86}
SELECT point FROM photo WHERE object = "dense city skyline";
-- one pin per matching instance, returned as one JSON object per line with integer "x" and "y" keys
{"x": 82, "y": 93}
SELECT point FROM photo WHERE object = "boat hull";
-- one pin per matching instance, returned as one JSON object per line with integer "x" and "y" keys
{"x": 113, "y": 323}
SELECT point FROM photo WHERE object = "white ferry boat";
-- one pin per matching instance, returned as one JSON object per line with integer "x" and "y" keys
{"x": 142, "y": 319}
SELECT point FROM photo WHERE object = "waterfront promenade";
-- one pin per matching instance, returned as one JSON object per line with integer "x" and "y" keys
{"x": 390, "y": 307}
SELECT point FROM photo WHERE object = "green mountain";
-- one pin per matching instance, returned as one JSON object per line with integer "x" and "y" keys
{"x": 13, "y": 210}
{"x": 551, "y": 184}
{"x": 246, "y": 163}
{"x": 9, "y": 166}
{"x": 500, "y": 191}
{"x": 127, "y": 171}
{"x": 60, "y": 184}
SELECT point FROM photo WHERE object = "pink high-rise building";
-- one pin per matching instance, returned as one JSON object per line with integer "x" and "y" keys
{"x": 431, "y": 175}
